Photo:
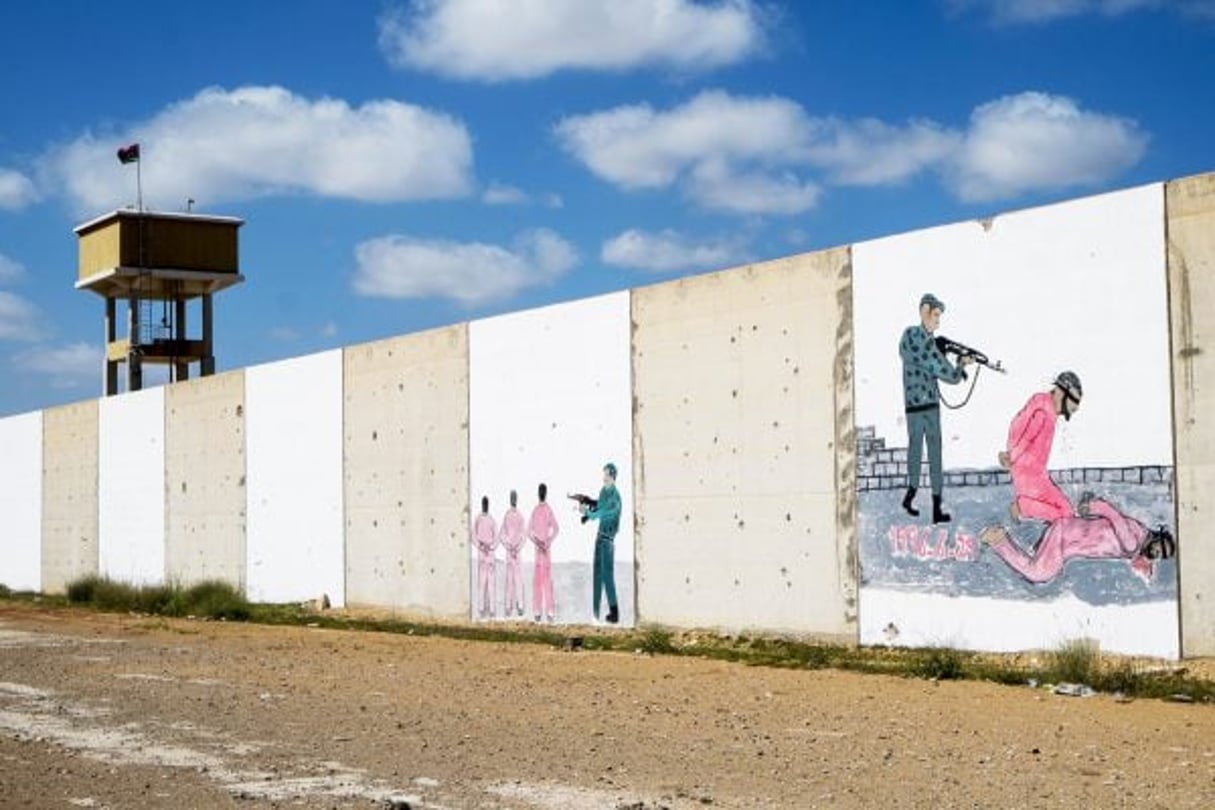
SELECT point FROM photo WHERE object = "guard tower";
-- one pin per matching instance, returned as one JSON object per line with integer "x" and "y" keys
{"x": 157, "y": 262}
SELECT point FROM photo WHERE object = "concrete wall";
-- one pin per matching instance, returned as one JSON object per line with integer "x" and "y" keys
{"x": 1080, "y": 286}
{"x": 21, "y": 502}
{"x": 756, "y": 418}
{"x": 741, "y": 395}
{"x": 293, "y": 413}
{"x": 205, "y": 477}
{"x": 1191, "y": 255}
{"x": 550, "y": 402}
{"x": 69, "y": 495}
{"x": 406, "y": 478}
{"x": 131, "y": 487}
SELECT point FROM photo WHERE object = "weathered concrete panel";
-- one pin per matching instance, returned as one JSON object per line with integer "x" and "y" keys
{"x": 550, "y": 403}
{"x": 131, "y": 487}
{"x": 205, "y": 475}
{"x": 1190, "y": 204}
{"x": 406, "y": 480}
{"x": 69, "y": 495}
{"x": 21, "y": 501}
{"x": 1077, "y": 286}
{"x": 293, "y": 415}
{"x": 742, "y": 394}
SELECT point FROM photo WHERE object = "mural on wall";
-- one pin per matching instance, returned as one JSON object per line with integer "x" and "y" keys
{"x": 1043, "y": 477}
{"x": 540, "y": 432}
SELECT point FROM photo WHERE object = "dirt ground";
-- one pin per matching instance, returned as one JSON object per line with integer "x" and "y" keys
{"x": 111, "y": 711}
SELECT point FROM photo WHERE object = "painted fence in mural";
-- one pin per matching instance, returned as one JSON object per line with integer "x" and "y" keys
{"x": 759, "y": 423}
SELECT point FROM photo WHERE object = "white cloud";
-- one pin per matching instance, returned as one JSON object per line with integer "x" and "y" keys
{"x": 638, "y": 147}
{"x": 768, "y": 156}
{"x": 226, "y": 145}
{"x": 10, "y": 270}
{"x": 19, "y": 319}
{"x": 873, "y": 153}
{"x": 668, "y": 250}
{"x": 721, "y": 187}
{"x": 1035, "y": 142}
{"x": 66, "y": 366}
{"x": 499, "y": 194}
{"x": 16, "y": 190}
{"x": 1011, "y": 12}
{"x": 502, "y": 40}
{"x": 704, "y": 145}
{"x": 468, "y": 272}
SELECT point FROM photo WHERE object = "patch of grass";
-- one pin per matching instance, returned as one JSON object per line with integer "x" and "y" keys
{"x": 1075, "y": 661}
{"x": 215, "y": 600}
{"x": 657, "y": 641}
{"x": 82, "y": 591}
{"x": 938, "y": 663}
{"x": 209, "y": 600}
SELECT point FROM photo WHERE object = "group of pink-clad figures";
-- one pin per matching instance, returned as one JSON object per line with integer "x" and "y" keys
{"x": 542, "y": 529}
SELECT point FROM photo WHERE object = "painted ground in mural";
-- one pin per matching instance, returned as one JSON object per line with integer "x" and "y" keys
{"x": 901, "y": 553}
{"x": 571, "y": 591}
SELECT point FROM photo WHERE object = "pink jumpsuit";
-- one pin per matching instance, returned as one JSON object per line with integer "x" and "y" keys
{"x": 485, "y": 536}
{"x": 511, "y": 537}
{"x": 1029, "y": 441}
{"x": 1105, "y": 534}
{"x": 543, "y": 530}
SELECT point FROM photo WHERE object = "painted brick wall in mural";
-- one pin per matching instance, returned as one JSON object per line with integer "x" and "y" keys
{"x": 550, "y": 403}
{"x": 1015, "y": 487}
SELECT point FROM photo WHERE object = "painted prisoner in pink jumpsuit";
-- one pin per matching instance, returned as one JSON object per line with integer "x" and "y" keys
{"x": 1105, "y": 533}
{"x": 485, "y": 538}
{"x": 1029, "y": 441}
{"x": 511, "y": 537}
{"x": 543, "y": 529}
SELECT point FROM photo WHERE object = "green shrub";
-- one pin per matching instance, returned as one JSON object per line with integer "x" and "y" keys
{"x": 938, "y": 663}
{"x": 1076, "y": 661}
{"x": 83, "y": 591}
{"x": 5, "y": 593}
{"x": 215, "y": 600}
{"x": 211, "y": 599}
{"x": 657, "y": 641}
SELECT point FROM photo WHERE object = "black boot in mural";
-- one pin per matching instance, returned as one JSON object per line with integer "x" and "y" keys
{"x": 938, "y": 515}
{"x": 907, "y": 501}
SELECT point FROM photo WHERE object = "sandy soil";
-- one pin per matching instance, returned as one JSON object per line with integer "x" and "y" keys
{"x": 131, "y": 712}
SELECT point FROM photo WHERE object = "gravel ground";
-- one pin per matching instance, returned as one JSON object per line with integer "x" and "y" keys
{"x": 112, "y": 711}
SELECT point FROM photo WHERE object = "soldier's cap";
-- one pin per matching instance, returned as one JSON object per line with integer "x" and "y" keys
{"x": 1069, "y": 383}
{"x": 610, "y": 469}
{"x": 932, "y": 302}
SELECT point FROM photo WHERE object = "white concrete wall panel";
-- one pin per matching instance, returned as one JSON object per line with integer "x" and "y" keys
{"x": 21, "y": 502}
{"x": 69, "y": 495}
{"x": 1191, "y": 255}
{"x": 293, "y": 445}
{"x": 406, "y": 480}
{"x": 737, "y": 378}
{"x": 131, "y": 487}
{"x": 1077, "y": 286}
{"x": 550, "y": 401}
{"x": 205, "y": 472}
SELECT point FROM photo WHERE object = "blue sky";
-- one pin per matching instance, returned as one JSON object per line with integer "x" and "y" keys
{"x": 405, "y": 164}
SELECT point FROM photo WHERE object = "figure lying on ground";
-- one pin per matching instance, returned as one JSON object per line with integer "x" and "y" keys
{"x": 1098, "y": 532}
